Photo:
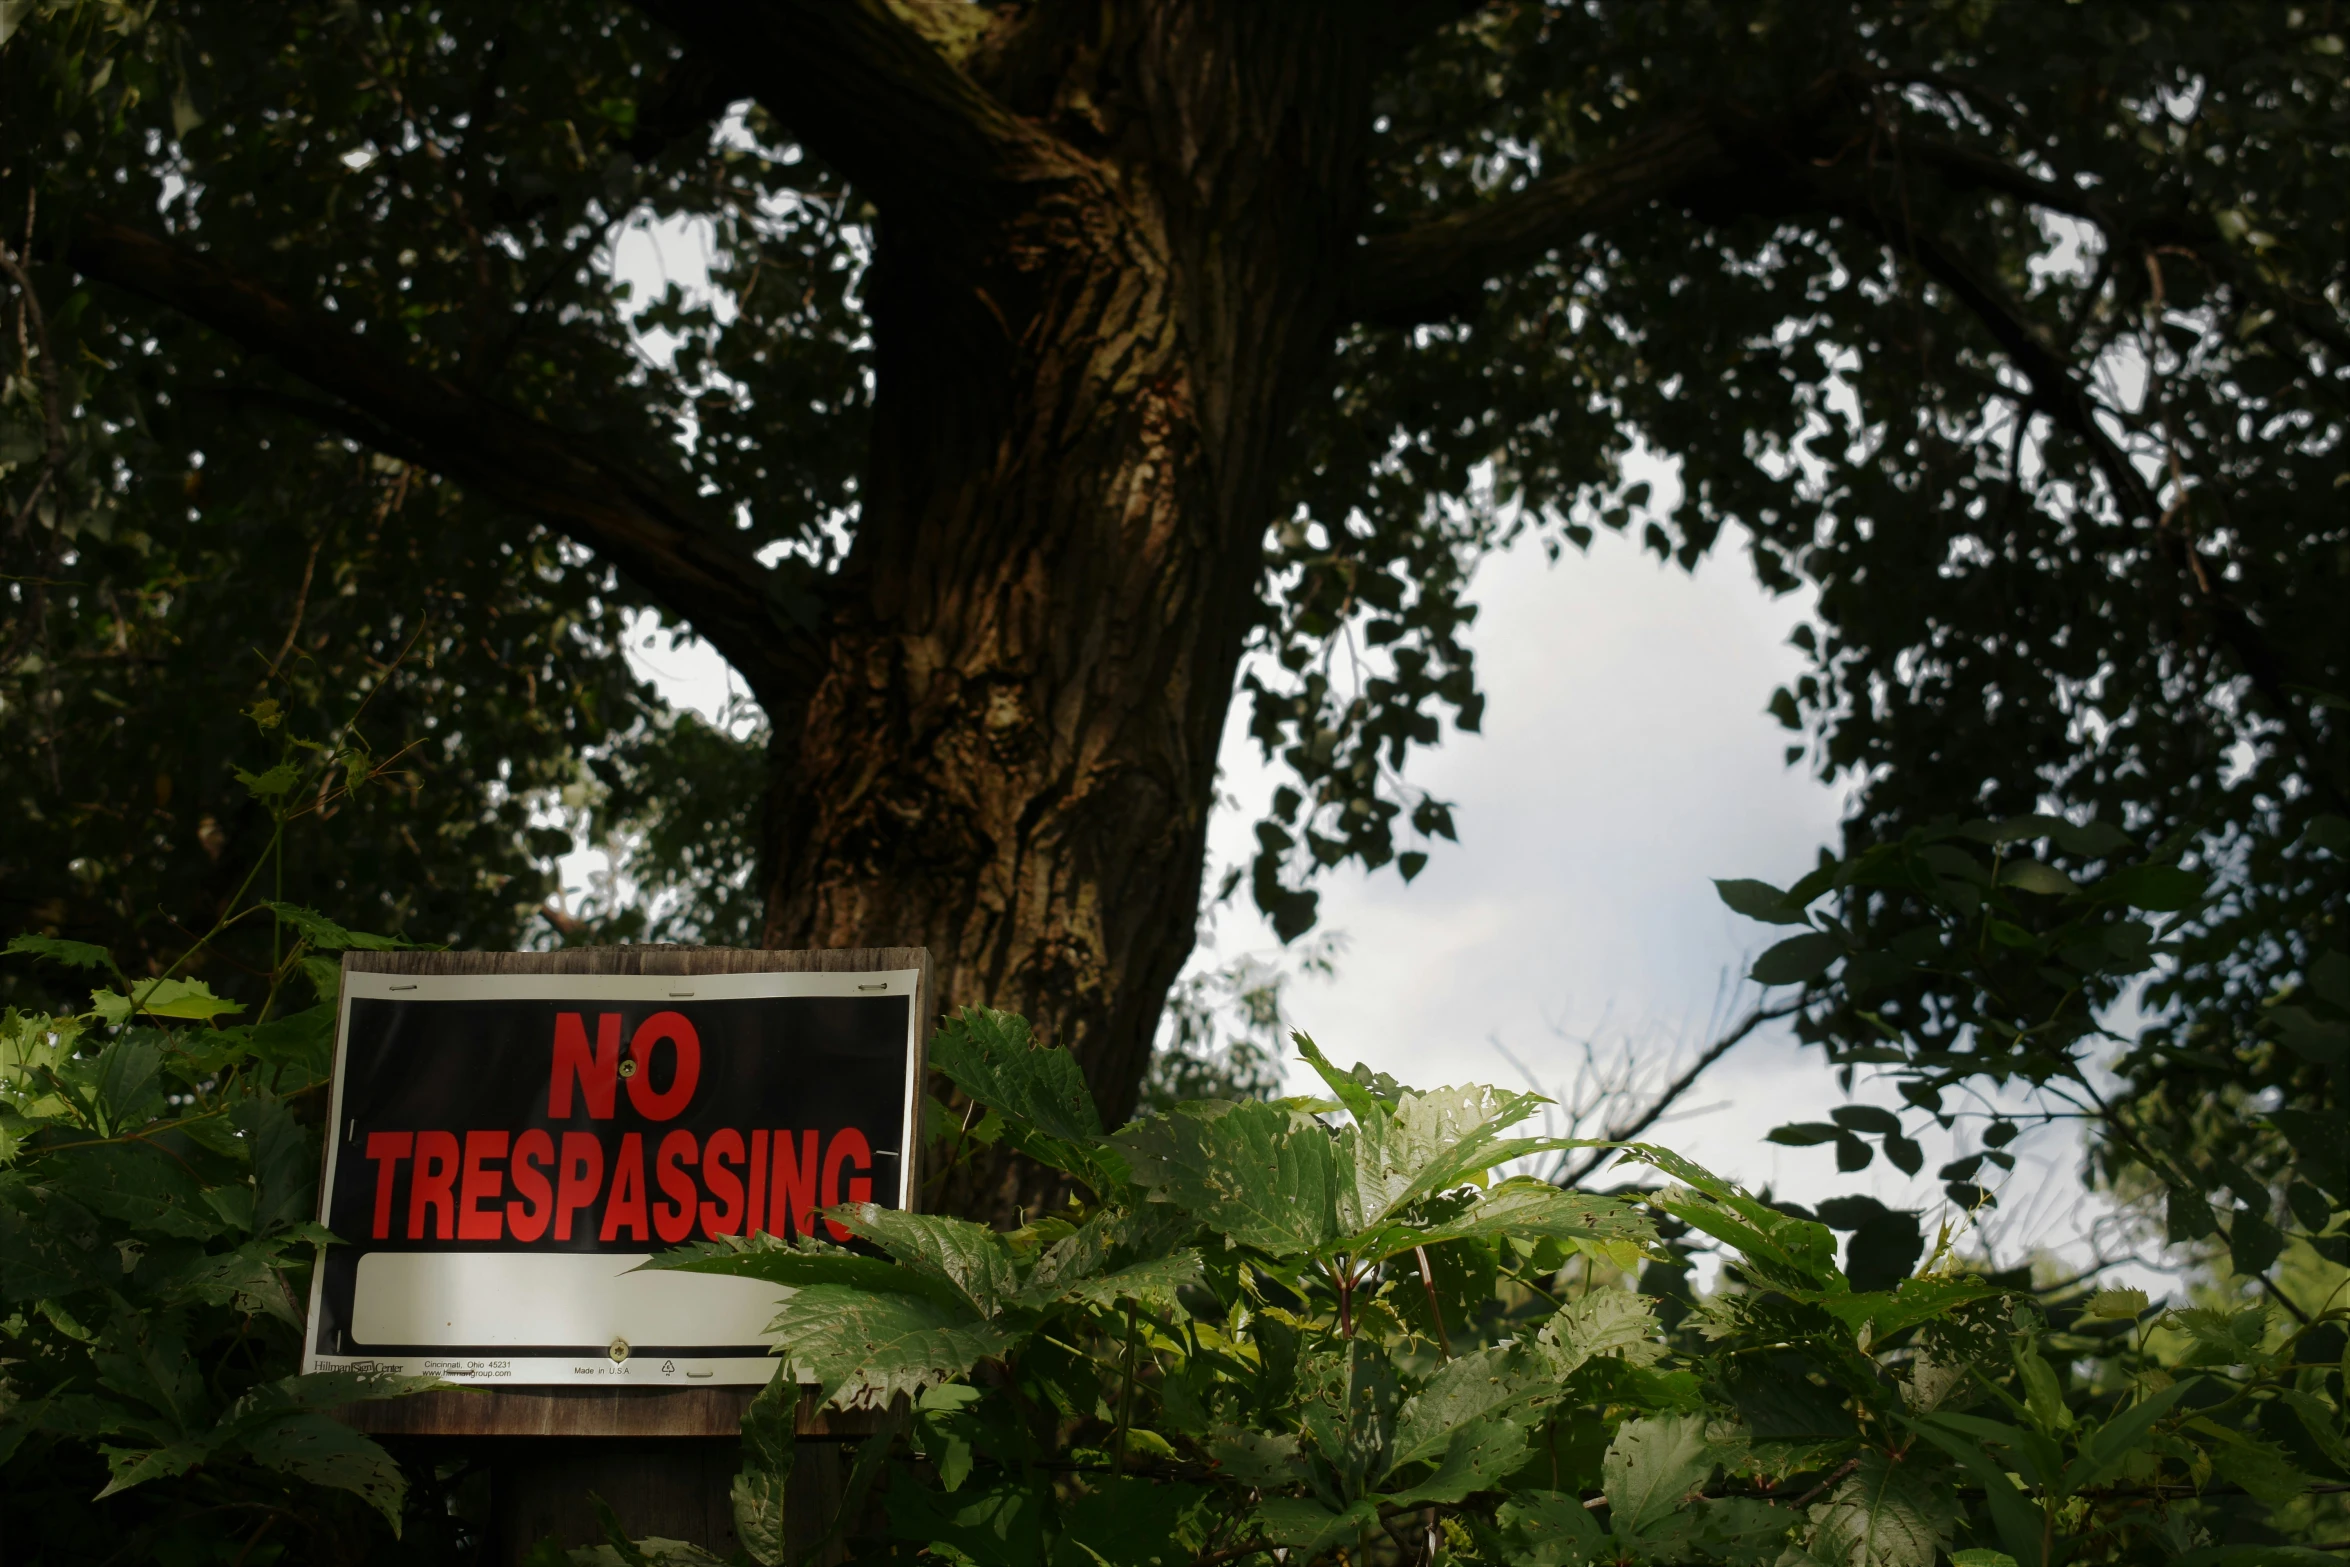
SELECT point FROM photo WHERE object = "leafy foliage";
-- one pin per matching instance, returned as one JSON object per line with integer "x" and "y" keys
{"x": 1994, "y": 952}
{"x": 1237, "y": 1345}
{"x": 158, "y": 1166}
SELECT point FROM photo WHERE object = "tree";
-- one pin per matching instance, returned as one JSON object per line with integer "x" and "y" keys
{"x": 1058, "y": 356}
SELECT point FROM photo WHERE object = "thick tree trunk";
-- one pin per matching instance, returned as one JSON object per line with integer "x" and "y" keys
{"x": 1011, "y": 756}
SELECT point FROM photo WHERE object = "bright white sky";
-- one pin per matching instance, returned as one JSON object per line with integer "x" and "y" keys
{"x": 1626, "y": 760}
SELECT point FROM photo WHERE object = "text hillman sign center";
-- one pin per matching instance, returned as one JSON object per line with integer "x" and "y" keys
{"x": 508, "y": 1146}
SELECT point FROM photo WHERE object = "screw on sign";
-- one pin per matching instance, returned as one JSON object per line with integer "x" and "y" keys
{"x": 515, "y": 1144}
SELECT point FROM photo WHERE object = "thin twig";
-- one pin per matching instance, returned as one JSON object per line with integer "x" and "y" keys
{"x": 1675, "y": 1089}
{"x": 1835, "y": 1477}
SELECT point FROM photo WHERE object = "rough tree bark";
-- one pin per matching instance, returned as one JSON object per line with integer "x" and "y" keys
{"x": 1010, "y": 755}
{"x": 1115, "y": 250}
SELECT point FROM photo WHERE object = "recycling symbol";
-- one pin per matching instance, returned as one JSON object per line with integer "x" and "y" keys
{"x": 669, "y": 1368}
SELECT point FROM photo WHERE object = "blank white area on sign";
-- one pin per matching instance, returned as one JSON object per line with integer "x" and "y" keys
{"x": 483, "y": 1299}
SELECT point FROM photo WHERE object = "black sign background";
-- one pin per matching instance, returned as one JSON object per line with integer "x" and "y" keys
{"x": 769, "y": 1062}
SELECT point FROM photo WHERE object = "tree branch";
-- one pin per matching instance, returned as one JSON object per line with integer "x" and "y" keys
{"x": 2056, "y": 392}
{"x": 691, "y": 561}
{"x": 874, "y": 97}
{"x": 1674, "y": 1090}
{"x": 1437, "y": 267}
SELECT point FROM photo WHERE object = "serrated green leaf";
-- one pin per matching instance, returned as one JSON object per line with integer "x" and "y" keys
{"x": 328, "y": 936}
{"x": 136, "y": 1183}
{"x": 268, "y": 785}
{"x": 74, "y": 954}
{"x": 761, "y": 1489}
{"x": 864, "y": 1349}
{"x": 992, "y": 1057}
{"x": 1529, "y": 1209}
{"x": 2261, "y": 1467}
{"x": 1259, "y": 1175}
{"x": 1348, "y": 1400}
{"x": 803, "y": 1262}
{"x": 1477, "y": 1457}
{"x": 1601, "y": 1322}
{"x": 1264, "y": 1459}
{"x": 179, "y": 998}
{"x": 1152, "y": 1283}
{"x": 1306, "y": 1526}
{"x": 1551, "y": 1529}
{"x": 1130, "y": 1521}
{"x": 1883, "y": 1515}
{"x": 1653, "y": 1467}
{"x": 324, "y": 1451}
{"x": 1487, "y": 1385}
{"x": 973, "y": 1259}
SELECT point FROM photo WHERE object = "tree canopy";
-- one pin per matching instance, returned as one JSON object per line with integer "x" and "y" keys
{"x": 1061, "y": 363}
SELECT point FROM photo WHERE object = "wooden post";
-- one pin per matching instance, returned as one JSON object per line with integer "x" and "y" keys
{"x": 663, "y": 1459}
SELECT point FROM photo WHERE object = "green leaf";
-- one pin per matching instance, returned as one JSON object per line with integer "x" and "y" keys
{"x": 2106, "y": 1449}
{"x": 2117, "y": 1305}
{"x": 182, "y": 998}
{"x": 1528, "y": 1209}
{"x": 1551, "y": 1529}
{"x": 1759, "y": 900}
{"x": 2253, "y": 1244}
{"x": 2188, "y": 1217}
{"x": 130, "y": 1466}
{"x": 1653, "y": 1467}
{"x": 299, "y": 1045}
{"x": 285, "y": 1163}
{"x": 137, "y": 1184}
{"x": 2012, "y": 1513}
{"x": 992, "y": 1057}
{"x": 1873, "y": 1119}
{"x": 2262, "y": 1468}
{"x": 761, "y": 1489}
{"x": 2159, "y": 889}
{"x": 863, "y": 1349}
{"x": 1128, "y": 1521}
{"x": 328, "y": 936}
{"x": 1797, "y": 960}
{"x": 1601, "y": 1322}
{"x": 1487, "y": 1385}
{"x": 2032, "y": 876}
{"x": 74, "y": 954}
{"x": 1260, "y": 1175}
{"x": 281, "y": 779}
{"x": 1883, "y": 1515}
{"x": 975, "y": 1260}
{"x": 1349, "y": 1402}
{"x": 1001, "y": 1526}
{"x": 1152, "y": 1283}
{"x": 1266, "y": 1460}
{"x": 1344, "y": 1085}
{"x": 1425, "y": 1144}
{"x": 1309, "y": 1528}
{"x": 324, "y": 1451}
{"x": 1804, "y": 1134}
{"x": 125, "y": 1088}
{"x": 1477, "y": 1457}
{"x": 803, "y": 1262}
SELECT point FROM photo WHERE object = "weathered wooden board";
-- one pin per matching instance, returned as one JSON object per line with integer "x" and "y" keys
{"x": 622, "y": 1412}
